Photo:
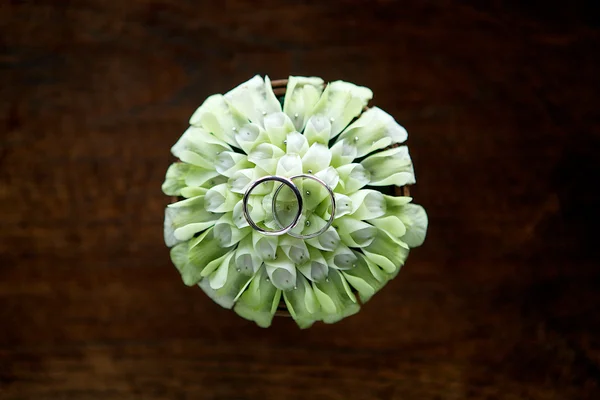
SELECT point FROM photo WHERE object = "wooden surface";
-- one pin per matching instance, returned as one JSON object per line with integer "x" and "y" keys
{"x": 501, "y": 104}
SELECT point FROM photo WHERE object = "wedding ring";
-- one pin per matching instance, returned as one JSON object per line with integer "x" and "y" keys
{"x": 300, "y": 209}
{"x": 284, "y": 181}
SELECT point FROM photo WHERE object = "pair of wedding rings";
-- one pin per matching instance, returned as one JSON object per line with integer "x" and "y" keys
{"x": 298, "y": 195}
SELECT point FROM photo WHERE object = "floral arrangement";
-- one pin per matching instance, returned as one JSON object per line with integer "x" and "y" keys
{"x": 324, "y": 130}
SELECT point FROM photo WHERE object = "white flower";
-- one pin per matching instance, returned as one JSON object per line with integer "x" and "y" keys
{"x": 249, "y": 133}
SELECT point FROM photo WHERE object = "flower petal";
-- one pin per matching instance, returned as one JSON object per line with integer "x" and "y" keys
{"x": 259, "y": 301}
{"x": 278, "y": 125}
{"x": 254, "y": 99}
{"x": 301, "y": 95}
{"x": 335, "y": 297}
{"x": 294, "y": 249}
{"x": 316, "y": 158}
{"x": 415, "y": 219}
{"x": 266, "y": 156}
{"x": 296, "y": 144}
{"x": 249, "y": 136}
{"x": 392, "y": 226}
{"x": 216, "y": 116}
{"x": 365, "y": 277}
{"x": 289, "y": 165}
{"x": 200, "y": 142}
{"x": 355, "y": 233}
{"x": 246, "y": 259}
{"x": 387, "y": 254}
{"x": 227, "y": 233}
{"x": 233, "y": 286}
{"x": 265, "y": 246}
{"x": 281, "y": 271}
{"x": 368, "y": 204}
{"x": 390, "y": 167}
{"x": 341, "y": 258}
{"x": 343, "y": 205}
{"x": 318, "y": 130}
{"x": 326, "y": 241}
{"x": 342, "y": 153}
{"x": 229, "y": 162}
{"x": 341, "y": 102}
{"x": 302, "y": 303}
{"x": 353, "y": 177}
{"x": 316, "y": 268}
{"x": 186, "y": 218}
{"x": 374, "y": 129}
{"x": 220, "y": 199}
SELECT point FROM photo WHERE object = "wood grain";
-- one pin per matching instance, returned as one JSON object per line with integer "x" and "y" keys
{"x": 501, "y": 104}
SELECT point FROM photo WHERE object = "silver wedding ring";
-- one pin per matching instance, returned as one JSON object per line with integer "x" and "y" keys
{"x": 331, "y": 217}
{"x": 284, "y": 181}
{"x": 287, "y": 229}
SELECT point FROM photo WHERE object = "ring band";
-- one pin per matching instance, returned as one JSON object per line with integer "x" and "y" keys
{"x": 284, "y": 181}
{"x": 331, "y": 196}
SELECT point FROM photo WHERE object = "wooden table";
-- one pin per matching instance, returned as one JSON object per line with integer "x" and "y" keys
{"x": 501, "y": 104}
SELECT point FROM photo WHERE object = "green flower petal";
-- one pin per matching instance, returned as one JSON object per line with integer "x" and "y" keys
{"x": 353, "y": 177}
{"x": 266, "y": 156}
{"x": 415, "y": 219}
{"x": 218, "y": 276}
{"x": 368, "y": 204}
{"x": 296, "y": 144}
{"x": 365, "y": 277}
{"x": 341, "y": 102}
{"x": 386, "y": 253}
{"x": 255, "y": 209}
{"x": 316, "y": 158}
{"x": 392, "y": 226}
{"x": 186, "y": 218}
{"x": 343, "y": 205}
{"x": 191, "y": 257}
{"x": 342, "y": 153}
{"x": 355, "y": 233}
{"x": 246, "y": 259}
{"x": 227, "y": 232}
{"x": 335, "y": 297}
{"x": 233, "y": 285}
{"x": 254, "y": 99}
{"x": 316, "y": 268}
{"x": 341, "y": 258}
{"x": 289, "y": 165}
{"x": 228, "y": 163}
{"x": 265, "y": 246}
{"x": 259, "y": 301}
{"x": 301, "y": 95}
{"x": 396, "y": 201}
{"x": 302, "y": 303}
{"x": 216, "y": 116}
{"x": 281, "y": 271}
{"x": 215, "y": 264}
{"x": 203, "y": 251}
{"x": 295, "y": 249}
{"x": 249, "y": 136}
{"x": 189, "y": 192}
{"x": 278, "y": 125}
{"x": 326, "y": 241}
{"x": 330, "y": 176}
{"x": 374, "y": 129}
{"x": 202, "y": 143}
{"x": 175, "y": 178}
{"x": 390, "y": 167}
{"x": 318, "y": 130}
{"x": 220, "y": 199}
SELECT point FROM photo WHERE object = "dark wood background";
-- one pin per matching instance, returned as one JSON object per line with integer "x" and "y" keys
{"x": 501, "y": 101}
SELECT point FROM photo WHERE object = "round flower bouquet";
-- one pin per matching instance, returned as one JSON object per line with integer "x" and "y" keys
{"x": 286, "y": 200}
